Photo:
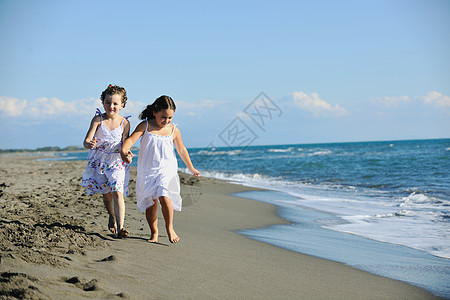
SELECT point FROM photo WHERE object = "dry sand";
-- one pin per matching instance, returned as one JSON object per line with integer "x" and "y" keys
{"x": 55, "y": 245}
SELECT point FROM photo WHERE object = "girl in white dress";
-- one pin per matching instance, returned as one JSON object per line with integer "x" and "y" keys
{"x": 157, "y": 178}
{"x": 106, "y": 172}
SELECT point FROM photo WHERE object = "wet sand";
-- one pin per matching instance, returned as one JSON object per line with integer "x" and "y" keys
{"x": 55, "y": 245}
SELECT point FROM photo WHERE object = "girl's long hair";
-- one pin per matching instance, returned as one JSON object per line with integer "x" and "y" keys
{"x": 163, "y": 102}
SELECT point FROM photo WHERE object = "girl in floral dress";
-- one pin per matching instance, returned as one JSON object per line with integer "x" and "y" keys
{"x": 106, "y": 172}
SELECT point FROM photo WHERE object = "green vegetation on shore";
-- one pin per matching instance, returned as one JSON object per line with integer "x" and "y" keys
{"x": 43, "y": 149}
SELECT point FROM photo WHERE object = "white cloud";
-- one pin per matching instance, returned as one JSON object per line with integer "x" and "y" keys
{"x": 11, "y": 106}
{"x": 314, "y": 104}
{"x": 437, "y": 99}
{"x": 46, "y": 107}
{"x": 432, "y": 98}
{"x": 392, "y": 101}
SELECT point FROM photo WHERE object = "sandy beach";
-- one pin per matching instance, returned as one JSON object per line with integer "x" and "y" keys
{"x": 55, "y": 245}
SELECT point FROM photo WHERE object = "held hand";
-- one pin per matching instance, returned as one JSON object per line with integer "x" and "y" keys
{"x": 130, "y": 156}
{"x": 93, "y": 143}
{"x": 195, "y": 172}
{"x": 127, "y": 157}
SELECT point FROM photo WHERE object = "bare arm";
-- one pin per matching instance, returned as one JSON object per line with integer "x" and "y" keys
{"x": 184, "y": 154}
{"x": 125, "y": 152}
{"x": 89, "y": 141}
{"x": 126, "y": 130}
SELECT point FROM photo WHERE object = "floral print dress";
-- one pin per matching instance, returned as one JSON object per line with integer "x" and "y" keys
{"x": 106, "y": 171}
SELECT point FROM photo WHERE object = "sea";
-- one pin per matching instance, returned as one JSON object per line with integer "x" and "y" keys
{"x": 383, "y": 207}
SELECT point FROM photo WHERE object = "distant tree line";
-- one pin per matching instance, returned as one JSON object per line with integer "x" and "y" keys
{"x": 43, "y": 149}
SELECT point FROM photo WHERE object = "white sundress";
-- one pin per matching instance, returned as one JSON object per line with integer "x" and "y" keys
{"x": 106, "y": 171}
{"x": 157, "y": 171}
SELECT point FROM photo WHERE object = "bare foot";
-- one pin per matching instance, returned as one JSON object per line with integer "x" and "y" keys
{"x": 123, "y": 233}
{"x": 112, "y": 224}
{"x": 173, "y": 237}
{"x": 154, "y": 237}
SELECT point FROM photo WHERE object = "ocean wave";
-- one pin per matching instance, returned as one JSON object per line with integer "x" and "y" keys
{"x": 238, "y": 177}
{"x": 290, "y": 149}
{"x": 206, "y": 152}
{"x": 382, "y": 216}
{"x": 320, "y": 152}
{"x": 401, "y": 213}
{"x": 404, "y": 228}
{"x": 417, "y": 198}
{"x": 405, "y": 213}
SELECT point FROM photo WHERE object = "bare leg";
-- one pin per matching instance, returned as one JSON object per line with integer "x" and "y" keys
{"x": 167, "y": 210}
{"x": 152, "y": 220}
{"x": 119, "y": 211}
{"x": 107, "y": 200}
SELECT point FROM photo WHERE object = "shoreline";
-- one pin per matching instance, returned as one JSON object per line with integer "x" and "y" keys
{"x": 64, "y": 249}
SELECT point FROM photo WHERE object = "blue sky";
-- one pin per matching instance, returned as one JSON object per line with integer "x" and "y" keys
{"x": 336, "y": 70}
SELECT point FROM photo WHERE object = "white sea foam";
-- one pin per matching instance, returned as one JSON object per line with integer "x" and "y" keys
{"x": 419, "y": 200}
{"x": 408, "y": 228}
{"x": 411, "y": 225}
{"x": 206, "y": 152}
{"x": 321, "y": 152}
{"x": 416, "y": 227}
{"x": 238, "y": 177}
{"x": 290, "y": 149}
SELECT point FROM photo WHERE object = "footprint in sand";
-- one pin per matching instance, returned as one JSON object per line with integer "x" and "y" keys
{"x": 91, "y": 286}
{"x": 73, "y": 280}
{"x": 109, "y": 258}
{"x": 87, "y": 286}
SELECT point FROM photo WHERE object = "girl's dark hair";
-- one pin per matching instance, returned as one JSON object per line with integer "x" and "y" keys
{"x": 163, "y": 102}
{"x": 112, "y": 90}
